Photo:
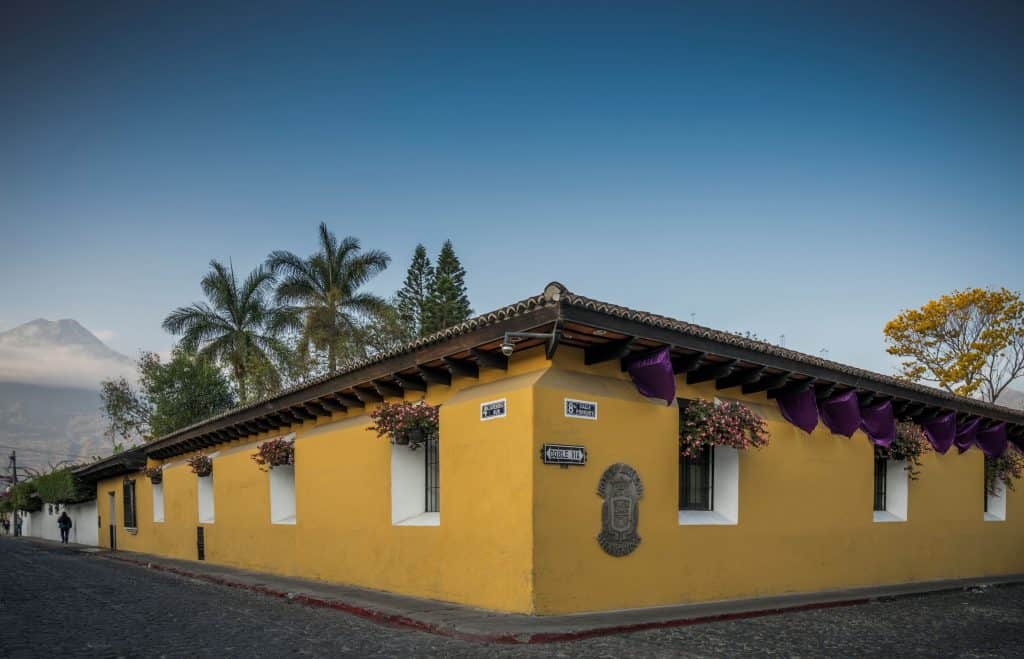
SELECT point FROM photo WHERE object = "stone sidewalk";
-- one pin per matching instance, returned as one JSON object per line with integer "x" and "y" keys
{"x": 479, "y": 625}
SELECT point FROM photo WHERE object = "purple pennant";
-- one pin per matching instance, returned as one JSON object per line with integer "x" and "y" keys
{"x": 653, "y": 375}
{"x": 799, "y": 409}
{"x": 841, "y": 413}
{"x": 967, "y": 434}
{"x": 941, "y": 432}
{"x": 879, "y": 424}
{"x": 993, "y": 442}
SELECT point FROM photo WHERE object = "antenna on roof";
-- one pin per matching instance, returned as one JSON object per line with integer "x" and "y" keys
{"x": 782, "y": 340}
{"x": 823, "y": 353}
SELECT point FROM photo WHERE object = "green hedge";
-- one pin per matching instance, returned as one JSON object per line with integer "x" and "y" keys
{"x": 61, "y": 486}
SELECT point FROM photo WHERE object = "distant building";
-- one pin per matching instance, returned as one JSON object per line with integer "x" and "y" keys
{"x": 557, "y": 487}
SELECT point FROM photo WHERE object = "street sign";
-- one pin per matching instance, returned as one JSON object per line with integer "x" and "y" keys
{"x": 580, "y": 409}
{"x": 492, "y": 410}
{"x": 563, "y": 454}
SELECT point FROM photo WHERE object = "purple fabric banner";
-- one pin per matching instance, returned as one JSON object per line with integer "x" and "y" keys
{"x": 878, "y": 422}
{"x": 941, "y": 432}
{"x": 841, "y": 413}
{"x": 653, "y": 376}
{"x": 993, "y": 442}
{"x": 799, "y": 409}
{"x": 967, "y": 434}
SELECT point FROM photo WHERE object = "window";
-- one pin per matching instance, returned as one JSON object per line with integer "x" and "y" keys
{"x": 880, "y": 473}
{"x": 995, "y": 503}
{"x": 416, "y": 485}
{"x": 697, "y": 480}
{"x": 205, "y": 492}
{"x": 709, "y": 485}
{"x": 282, "y": 494}
{"x": 432, "y": 461}
{"x": 158, "y": 502}
{"x": 128, "y": 492}
{"x": 891, "y": 484}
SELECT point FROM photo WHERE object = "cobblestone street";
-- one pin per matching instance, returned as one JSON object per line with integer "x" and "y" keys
{"x": 59, "y": 602}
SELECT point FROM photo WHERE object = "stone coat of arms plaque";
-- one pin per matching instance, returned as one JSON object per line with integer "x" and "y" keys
{"x": 621, "y": 489}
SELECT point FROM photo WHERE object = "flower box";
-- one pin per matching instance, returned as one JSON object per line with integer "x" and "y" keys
{"x": 201, "y": 464}
{"x": 406, "y": 424}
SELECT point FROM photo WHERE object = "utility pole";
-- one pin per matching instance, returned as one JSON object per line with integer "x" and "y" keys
{"x": 16, "y": 522}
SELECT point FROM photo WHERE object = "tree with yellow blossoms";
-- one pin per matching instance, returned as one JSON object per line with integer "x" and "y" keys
{"x": 968, "y": 342}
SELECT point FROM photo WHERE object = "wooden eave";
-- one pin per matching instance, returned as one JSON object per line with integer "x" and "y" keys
{"x": 604, "y": 333}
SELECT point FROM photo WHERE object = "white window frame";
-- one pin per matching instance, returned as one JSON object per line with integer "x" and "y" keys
{"x": 996, "y": 503}
{"x": 725, "y": 502}
{"x": 897, "y": 492}
{"x": 204, "y": 497}
{"x": 408, "y": 488}
{"x": 282, "y": 494}
{"x": 158, "y": 502}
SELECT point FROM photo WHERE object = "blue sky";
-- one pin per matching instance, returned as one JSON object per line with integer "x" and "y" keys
{"x": 794, "y": 169}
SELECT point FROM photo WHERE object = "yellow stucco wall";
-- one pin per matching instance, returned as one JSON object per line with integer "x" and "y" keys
{"x": 480, "y": 554}
{"x": 517, "y": 535}
{"x": 805, "y": 513}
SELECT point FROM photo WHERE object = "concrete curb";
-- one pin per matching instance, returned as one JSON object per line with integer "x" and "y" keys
{"x": 743, "y": 609}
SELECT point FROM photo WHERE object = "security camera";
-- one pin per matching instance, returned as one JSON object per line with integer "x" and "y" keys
{"x": 507, "y": 349}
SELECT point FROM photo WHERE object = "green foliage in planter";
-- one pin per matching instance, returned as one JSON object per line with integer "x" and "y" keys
{"x": 202, "y": 464}
{"x": 275, "y": 453}
{"x": 1007, "y": 468}
{"x": 406, "y": 423}
{"x": 154, "y": 474}
{"x": 910, "y": 444}
{"x": 703, "y": 422}
{"x": 60, "y": 486}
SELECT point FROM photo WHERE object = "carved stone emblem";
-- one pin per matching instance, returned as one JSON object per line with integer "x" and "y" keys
{"x": 621, "y": 490}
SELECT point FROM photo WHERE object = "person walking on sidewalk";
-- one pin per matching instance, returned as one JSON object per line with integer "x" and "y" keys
{"x": 64, "y": 522}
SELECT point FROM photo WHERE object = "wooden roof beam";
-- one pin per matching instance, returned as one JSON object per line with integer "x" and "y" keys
{"x": 367, "y": 396}
{"x": 793, "y": 387}
{"x": 604, "y": 352}
{"x": 388, "y": 389}
{"x": 488, "y": 359}
{"x": 411, "y": 382}
{"x": 461, "y": 368}
{"x": 688, "y": 362}
{"x": 767, "y": 382}
{"x": 738, "y": 378}
{"x": 711, "y": 371}
{"x": 348, "y": 401}
{"x": 332, "y": 404}
{"x": 435, "y": 375}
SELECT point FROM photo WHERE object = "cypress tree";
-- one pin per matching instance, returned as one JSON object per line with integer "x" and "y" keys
{"x": 412, "y": 297}
{"x": 447, "y": 300}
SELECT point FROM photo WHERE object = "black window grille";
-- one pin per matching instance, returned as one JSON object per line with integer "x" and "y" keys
{"x": 697, "y": 480}
{"x": 129, "y": 504}
{"x": 881, "y": 467}
{"x": 432, "y": 462}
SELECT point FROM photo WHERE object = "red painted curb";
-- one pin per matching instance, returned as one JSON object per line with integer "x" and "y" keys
{"x": 399, "y": 620}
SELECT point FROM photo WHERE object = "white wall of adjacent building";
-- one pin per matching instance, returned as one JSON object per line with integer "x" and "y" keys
{"x": 43, "y": 523}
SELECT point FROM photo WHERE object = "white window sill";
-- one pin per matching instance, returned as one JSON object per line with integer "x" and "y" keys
{"x": 989, "y": 517}
{"x": 131, "y": 530}
{"x": 704, "y": 518}
{"x": 423, "y": 519}
{"x": 886, "y": 516}
{"x": 158, "y": 521}
{"x": 206, "y": 521}
{"x": 285, "y": 521}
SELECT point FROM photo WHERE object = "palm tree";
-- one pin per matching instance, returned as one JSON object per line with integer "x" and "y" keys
{"x": 324, "y": 290}
{"x": 238, "y": 326}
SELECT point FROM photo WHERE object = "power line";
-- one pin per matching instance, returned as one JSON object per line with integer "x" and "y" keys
{"x": 43, "y": 451}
